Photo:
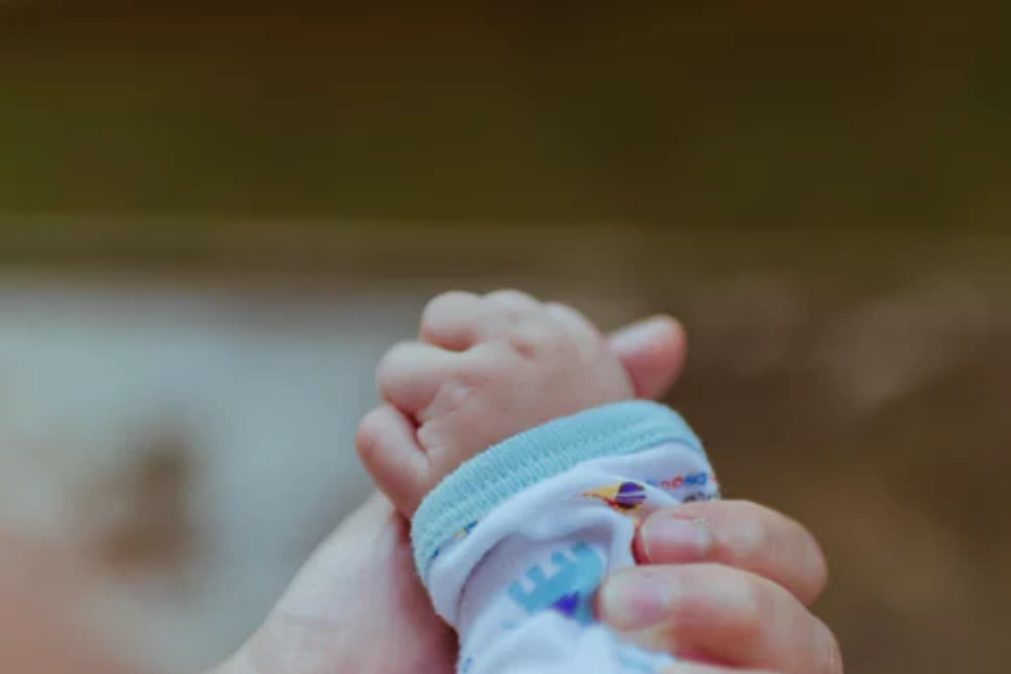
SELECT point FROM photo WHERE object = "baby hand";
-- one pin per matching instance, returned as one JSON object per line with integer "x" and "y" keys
{"x": 483, "y": 369}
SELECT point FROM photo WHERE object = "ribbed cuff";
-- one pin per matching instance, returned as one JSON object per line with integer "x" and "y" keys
{"x": 479, "y": 485}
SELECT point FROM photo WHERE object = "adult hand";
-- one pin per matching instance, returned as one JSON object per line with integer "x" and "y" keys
{"x": 356, "y": 606}
{"x": 727, "y": 583}
{"x": 723, "y": 582}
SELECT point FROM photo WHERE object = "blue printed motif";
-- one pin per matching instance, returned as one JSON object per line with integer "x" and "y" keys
{"x": 677, "y": 481}
{"x": 568, "y": 590}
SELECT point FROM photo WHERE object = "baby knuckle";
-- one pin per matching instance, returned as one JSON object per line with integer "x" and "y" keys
{"x": 483, "y": 366}
{"x": 367, "y": 435}
{"x": 513, "y": 306}
{"x": 573, "y": 319}
{"x": 538, "y": 338}
{"x": 526, "y": 343}
{"x": 512, "y": 297}
{"x": 561, "y": 309}
{"x": 445, "y": 303}
{"x": 395, "y": 358}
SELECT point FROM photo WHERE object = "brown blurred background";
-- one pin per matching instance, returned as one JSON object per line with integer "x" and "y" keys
{"x": 214, "y": 217}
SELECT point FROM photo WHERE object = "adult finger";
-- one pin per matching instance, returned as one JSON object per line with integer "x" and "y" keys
{"x": 740, "y": 534}
{"x": 713, "y": 613}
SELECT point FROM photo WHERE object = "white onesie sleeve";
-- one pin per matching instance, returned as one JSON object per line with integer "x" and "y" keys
{"x": 514, "y": 543}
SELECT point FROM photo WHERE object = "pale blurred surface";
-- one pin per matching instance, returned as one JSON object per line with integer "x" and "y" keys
{"x": 215, "y": 217}
{"x": 191, "y": 443}
{"x": 187, "y": 441}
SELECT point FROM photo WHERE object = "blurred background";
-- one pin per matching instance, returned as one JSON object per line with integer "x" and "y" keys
{"x": 215, "y": 217}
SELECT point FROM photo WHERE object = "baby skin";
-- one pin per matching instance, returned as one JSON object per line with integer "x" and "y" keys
{"x": 509, "y": 438}
{"x": 482, "y": 370}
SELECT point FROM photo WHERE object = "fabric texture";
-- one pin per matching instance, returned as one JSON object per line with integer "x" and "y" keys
{"x": 506, "y": 469}
{"x": 513, "y": 545}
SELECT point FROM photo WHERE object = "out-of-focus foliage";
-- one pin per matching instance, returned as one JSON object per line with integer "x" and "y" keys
{"x": 790, "y": 113}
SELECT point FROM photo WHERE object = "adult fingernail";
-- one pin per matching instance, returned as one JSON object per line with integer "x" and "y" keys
{"x": 635, "y": 599}
{"x": 643, "y": 333}
{"x": 669, "y": 538}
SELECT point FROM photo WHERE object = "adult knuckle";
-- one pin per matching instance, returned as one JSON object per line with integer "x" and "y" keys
{"x": 760, "y": 530}
{"x": 786, "y": 543}
{"x": 828, "y": 654}
{"x": 819, "y": 569}
{"x": 753, "y": 606}
{"x": 751, "y": 533}
{"x": 740, "y": 605}
{"x": 749, "y": 508}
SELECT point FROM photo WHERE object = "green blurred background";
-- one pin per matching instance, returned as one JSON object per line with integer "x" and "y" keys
{"x": 784, "y": 114}
{"x": 819, "y": 191}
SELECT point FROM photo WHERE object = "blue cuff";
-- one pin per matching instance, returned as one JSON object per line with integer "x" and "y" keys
{"x": 492, "y": 477}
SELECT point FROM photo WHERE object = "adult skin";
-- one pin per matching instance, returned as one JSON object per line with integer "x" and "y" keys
{"x": 723, "y": 584}
{"x": 728, "y": 588}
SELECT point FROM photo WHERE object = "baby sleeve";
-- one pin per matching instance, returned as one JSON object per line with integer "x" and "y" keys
{"x": 513, "y": 544}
